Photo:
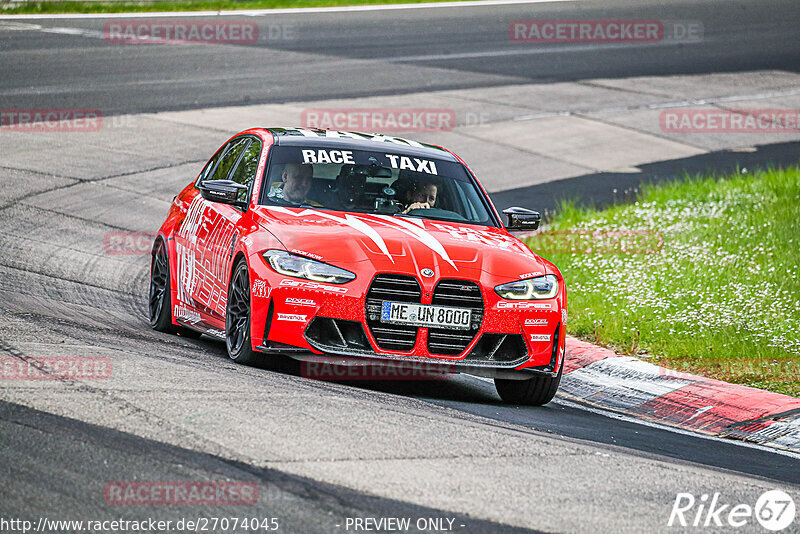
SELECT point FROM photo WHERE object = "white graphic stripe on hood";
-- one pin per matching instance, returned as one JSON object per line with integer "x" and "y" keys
{"x": 347, "y": 220}
{"x": 419, "y": 233}
{"x": 412, "y": 227}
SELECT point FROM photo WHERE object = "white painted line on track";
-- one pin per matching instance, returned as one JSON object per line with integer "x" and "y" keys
{"x": 74, "y": 31}
{"x": 560, "y": 401}
{"x": 528, "y": 51}
{"x": 282, "y": 11}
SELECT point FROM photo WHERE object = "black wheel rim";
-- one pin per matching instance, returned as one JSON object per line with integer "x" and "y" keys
{"x": 238, "y": 315}
{"x": 158, "y": 283}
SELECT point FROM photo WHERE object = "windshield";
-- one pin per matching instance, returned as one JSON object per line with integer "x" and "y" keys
{"x": 383, "y": 182}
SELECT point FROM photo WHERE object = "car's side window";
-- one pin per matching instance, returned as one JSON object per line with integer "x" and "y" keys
{"x": 245, "y": 172}
{"x": 229, "y": 159}
{"x": 208, "y": 169}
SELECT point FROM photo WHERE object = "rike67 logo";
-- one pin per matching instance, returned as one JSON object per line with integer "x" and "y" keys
{"x": 774, "y": 511}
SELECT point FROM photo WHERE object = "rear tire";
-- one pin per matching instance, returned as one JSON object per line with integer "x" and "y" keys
{"x": 536, "y": 391}
{"x": 237, "y": 317}
{"x": 161, "y": 296}
{"x": 160, "y": 302}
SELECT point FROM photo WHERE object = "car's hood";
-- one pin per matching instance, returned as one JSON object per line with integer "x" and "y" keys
{"x": 400, "y": 244}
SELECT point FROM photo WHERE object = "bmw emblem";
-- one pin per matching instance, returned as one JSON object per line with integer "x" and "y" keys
{"x": 427, "y": 273}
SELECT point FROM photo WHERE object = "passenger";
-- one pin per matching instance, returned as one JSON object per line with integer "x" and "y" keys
{"x": 421, "y": 195}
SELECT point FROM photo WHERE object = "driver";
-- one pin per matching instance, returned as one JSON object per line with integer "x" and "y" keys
{"x": 421, "y": 195}
{"x": 296, "y": 184}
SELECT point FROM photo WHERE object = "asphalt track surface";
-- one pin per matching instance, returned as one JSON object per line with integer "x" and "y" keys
{"x": 44, "y": 487}
{"x": 177, "y": 409}
{"x": 329, "y": 55}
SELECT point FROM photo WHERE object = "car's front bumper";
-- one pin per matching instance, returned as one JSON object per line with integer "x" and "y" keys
{"x": 307, "y": 319}
{"x": 321, "y": 365}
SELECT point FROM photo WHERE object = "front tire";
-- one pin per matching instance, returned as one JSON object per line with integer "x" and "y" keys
{"x": 237, "y": 317}
{"x": 536, "y": 391}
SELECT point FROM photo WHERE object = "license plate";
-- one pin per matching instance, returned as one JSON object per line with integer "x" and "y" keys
{"x": 426, "y": 315}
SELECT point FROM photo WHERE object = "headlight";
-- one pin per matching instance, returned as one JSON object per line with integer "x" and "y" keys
{"x": 541, "y": 287}
{"x": 301, "y": 267}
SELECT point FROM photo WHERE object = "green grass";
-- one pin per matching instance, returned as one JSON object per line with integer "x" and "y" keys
{"x": 70, "y": 6}
{"x": 721, "y": 297}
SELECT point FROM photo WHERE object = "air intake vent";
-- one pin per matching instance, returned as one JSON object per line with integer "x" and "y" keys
{"x": 498, "y": 348}
{"x": 461, "y": 294}
{"x": 395, "y": 288}
{"x": 331, "y": 335}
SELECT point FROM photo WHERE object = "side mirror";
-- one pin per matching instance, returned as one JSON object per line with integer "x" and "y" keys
{"x": 522, "y": 219}
{"x": 223, "y": 191}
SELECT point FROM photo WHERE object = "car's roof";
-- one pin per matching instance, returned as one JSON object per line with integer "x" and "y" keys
{"x": 356, "y": 141}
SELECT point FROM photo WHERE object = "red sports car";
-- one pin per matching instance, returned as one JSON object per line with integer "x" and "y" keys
{"x": 360, "y": 250}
